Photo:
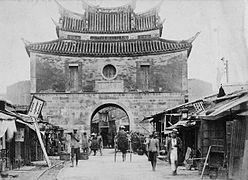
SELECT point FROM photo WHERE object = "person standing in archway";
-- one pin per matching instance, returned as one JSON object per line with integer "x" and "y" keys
{"x": 100, "y": 142}
{"x": 122, "y": 142}
{"x": 85, "y": 143}
{"x": 94, "y": 144}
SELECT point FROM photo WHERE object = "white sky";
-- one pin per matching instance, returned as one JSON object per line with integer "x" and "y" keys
{"x": 220, "y": 23}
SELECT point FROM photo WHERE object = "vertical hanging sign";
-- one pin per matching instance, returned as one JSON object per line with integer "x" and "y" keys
{"x": 35, "y": 107}
{"x": 34, "y": 111}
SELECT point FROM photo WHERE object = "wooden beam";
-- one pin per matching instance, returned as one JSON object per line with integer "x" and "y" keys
{"x": 41, "y": 142}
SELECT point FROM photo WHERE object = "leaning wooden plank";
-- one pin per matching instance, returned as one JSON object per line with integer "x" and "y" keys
{"x": 206, "y": 160}
{"x": 41, "y": 142}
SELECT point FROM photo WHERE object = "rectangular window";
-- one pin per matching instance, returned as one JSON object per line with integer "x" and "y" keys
{"x": 144, "y": 36}
{"x": 74, "y": 77}
{"x": 144, "y": 70}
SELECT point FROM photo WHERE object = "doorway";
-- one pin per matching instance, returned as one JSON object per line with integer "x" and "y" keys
{"x": 106, "y": 120}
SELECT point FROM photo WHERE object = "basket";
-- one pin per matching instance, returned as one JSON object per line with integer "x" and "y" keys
{"x": 84, "y": 156}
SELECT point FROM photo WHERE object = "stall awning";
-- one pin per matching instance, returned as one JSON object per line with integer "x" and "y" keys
{"x": 31, "y": 126}
{"x": 4, "y": 116}
{"x": 182, "y": 123}
{"x": 245, "y": 113}
{"x": 218, "y": 111}
{"x": 7, "y": 124}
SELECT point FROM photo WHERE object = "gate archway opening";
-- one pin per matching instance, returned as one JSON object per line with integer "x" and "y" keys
{"x": 106, "y": 120}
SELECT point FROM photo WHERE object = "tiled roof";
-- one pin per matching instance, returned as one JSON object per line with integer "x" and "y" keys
{"x": 109, "y": 48}
{"x": 109, "y": 20}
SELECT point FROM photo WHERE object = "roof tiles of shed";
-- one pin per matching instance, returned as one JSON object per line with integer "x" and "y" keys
{"x": 214, "y": 107}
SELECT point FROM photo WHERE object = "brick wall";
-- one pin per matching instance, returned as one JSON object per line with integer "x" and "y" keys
{"x": 76, "y": 109}
{"x": 51, "y": 78}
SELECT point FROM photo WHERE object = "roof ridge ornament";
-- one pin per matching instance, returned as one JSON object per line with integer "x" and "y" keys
{"x": 26, "y": 42}
{"x": 192, "y": 39}
{"x": 55, "y": 22}
{"x": 86, "y": 6}
{"x": 162, "y": 22}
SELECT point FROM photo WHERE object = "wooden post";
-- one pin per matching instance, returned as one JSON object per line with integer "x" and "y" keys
{"x": 244, "y": 173}
{"x": 205, "y": 163}
{"x": 41, "y": 142}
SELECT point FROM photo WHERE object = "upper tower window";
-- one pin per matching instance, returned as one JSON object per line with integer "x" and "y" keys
{"x": 144, "y": 76}
{"x": 109, "y": 72}
{"x": 74, "y": 77}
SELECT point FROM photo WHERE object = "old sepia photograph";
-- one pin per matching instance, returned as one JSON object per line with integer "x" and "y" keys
{"x": 123, "y": 89}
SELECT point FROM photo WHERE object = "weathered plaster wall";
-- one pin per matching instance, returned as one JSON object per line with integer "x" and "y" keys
{"x": 50, "y": 79}
{"x": 168, "y": 72}
{"x": 76, "y": 109}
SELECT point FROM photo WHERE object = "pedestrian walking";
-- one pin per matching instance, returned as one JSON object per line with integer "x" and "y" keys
{"x": 174, "y": 145}
{"x": 85, "y": 143}
{"x": 100, "y": 142}
{"x": 153, "y": 150}
{"x": 94, "y": 144}
{"x": 122, "y": 142}
{"x": 75, "y": 146}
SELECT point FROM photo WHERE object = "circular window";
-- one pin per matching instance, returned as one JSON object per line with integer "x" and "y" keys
{"x": 109, "y": 71}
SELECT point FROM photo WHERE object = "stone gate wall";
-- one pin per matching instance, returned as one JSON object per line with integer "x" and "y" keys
{"x": 75, "y": 109}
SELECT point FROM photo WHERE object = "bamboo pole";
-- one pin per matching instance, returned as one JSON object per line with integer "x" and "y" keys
{"x": 41, "y": 142}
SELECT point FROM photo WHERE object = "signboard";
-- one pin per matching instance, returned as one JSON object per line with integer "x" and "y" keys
{"x": 35, "y": 107}
{"x": 109, "y": 86}
{"x": 19, "y": 136}
{"x": 103, "y": 124}
{"x": 199, "y": 106}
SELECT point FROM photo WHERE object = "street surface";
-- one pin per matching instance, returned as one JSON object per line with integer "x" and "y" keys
{"x": 104, "y": 168}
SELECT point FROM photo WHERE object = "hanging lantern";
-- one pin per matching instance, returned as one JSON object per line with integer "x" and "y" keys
{"x": 184, "y": 114}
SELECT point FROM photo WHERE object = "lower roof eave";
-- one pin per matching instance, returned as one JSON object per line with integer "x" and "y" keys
{"x": 108, "y": 55}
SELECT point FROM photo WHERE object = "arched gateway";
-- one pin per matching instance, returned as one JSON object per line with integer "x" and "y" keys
{"x": 106, "y": 118}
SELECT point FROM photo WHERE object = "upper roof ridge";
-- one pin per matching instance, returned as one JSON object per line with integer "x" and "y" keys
{"x": 87, "y": 6}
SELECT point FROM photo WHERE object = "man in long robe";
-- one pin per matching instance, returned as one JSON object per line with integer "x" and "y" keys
{"x": 174, "y": 145}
